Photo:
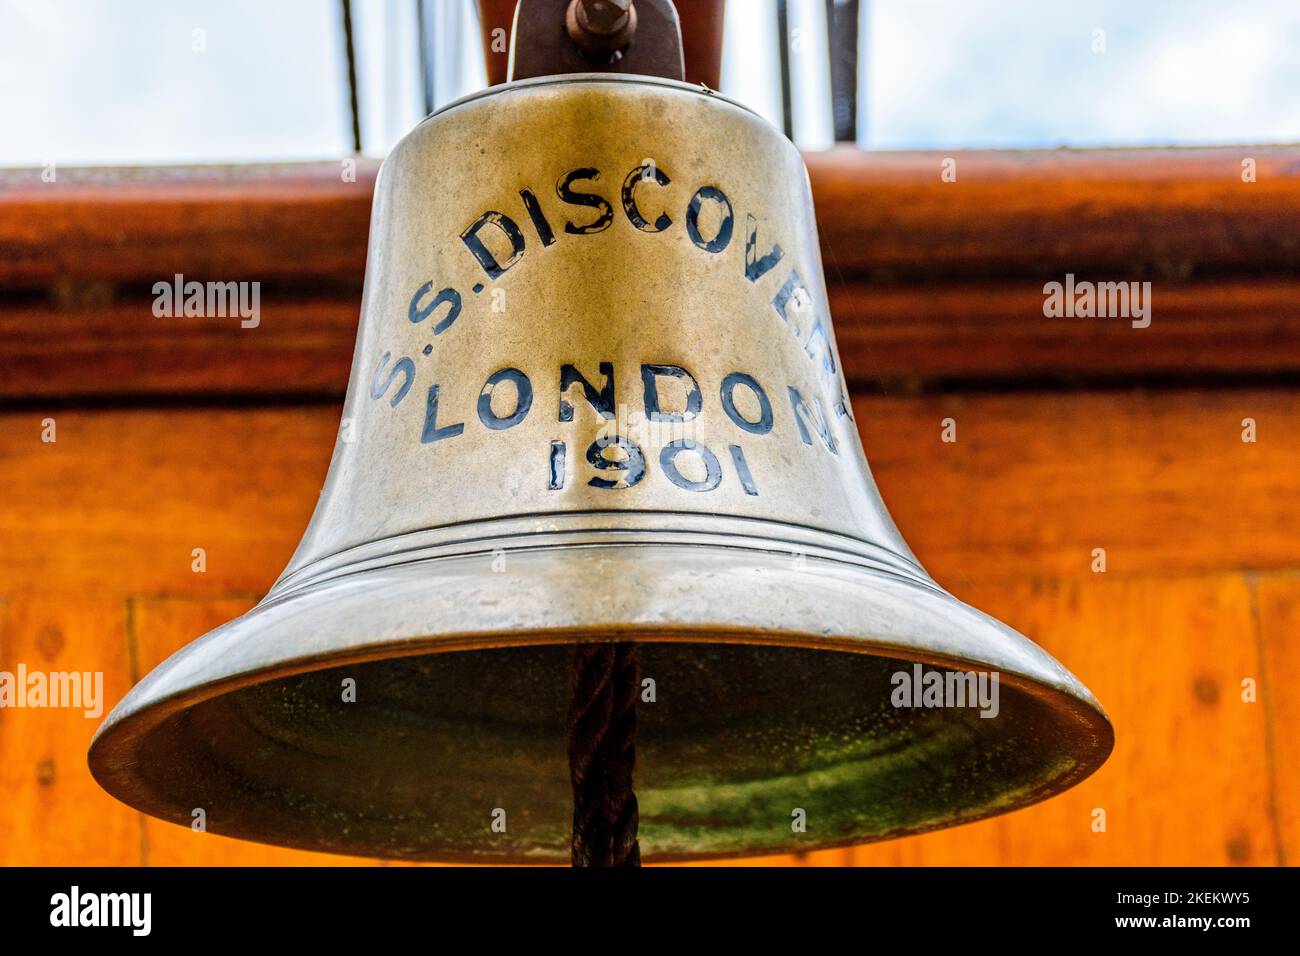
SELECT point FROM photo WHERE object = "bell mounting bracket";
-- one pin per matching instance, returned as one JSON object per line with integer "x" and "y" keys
{"x": 553, "y": 37}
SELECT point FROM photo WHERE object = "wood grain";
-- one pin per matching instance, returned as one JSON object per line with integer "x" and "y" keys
{"x": 117, "y": 505}
{"x": 1190, "y": 779}
{"x": 1102, "y": 214}
{"x": 302, "y": 346}
{"x": 1278, "y": 606}
{"x": 1202, "y": 590}
{"x": 168, "y": 441}
{"x": 53, "y": 813}
{"x": 886, "y": 216}
{"x": 890, "y": 336}
{"x": 1033, "y": 484}
{"x": 994, "y": 333}
{"x": 1035, "y": 481}
{"x": 929, "y": 281}
{"x": 283, "y": 222}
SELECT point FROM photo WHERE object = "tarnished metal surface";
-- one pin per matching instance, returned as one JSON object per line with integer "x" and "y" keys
{"x": 595, "y": 394}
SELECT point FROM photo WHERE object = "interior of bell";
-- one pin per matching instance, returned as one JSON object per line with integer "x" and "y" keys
{"x": 738, "y": 738}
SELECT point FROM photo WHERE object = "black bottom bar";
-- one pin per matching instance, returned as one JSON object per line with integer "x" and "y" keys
{"x": 664, "y": 906}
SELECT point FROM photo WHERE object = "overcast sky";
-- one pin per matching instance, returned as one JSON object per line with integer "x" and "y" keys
{"x": 95, "y": 81}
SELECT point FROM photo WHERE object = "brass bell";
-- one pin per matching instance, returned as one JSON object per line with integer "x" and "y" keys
{"x": 596, "y": 397}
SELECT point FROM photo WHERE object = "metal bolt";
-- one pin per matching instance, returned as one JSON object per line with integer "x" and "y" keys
{"x": 601, "y": 28}
{"x": 604, "y": 16}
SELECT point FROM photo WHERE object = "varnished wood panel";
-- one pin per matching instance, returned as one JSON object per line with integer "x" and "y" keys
{"x": 1190, "y": 781}
{"x": 1278, "y": 606}
{"x": 890, "y": 337}
{"x": 929, "y": 280}
{"x": 120, "y": 501}
{"x": 283, "y": 222}
{"x": 52, "y": 812}
{"x": 1201, "y": 592}
{"x": 1157, "y": 213}
{"x": 301, "y": 346}
{"x": 1032, "y": 485}
{"x": 1035, "y": 482}
{"x": 898, "y": 335}
{"x": 1105, "y": 214}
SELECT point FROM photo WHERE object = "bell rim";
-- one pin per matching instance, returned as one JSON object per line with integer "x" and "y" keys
{"x": 163, "y": 710}
{"x": 1087, "y": 735}
{"x": 97, "y": 761}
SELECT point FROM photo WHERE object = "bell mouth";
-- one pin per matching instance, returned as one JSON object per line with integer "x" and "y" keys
{"x": 753, "y": 720}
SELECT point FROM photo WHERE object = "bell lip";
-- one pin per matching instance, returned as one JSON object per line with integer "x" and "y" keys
{"x": 118, "y": 782}
{"x": 112, "y": 752}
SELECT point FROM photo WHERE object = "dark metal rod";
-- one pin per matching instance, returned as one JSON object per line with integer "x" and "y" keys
{"x": 842, "y": 35}
{"x": 783, "y": 48}
{"x": 350, "y": 52}
{"x": 426, "y": 61}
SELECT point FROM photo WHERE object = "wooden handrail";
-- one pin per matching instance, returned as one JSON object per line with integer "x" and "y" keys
{"x": 1167, "y": 213}
{"x": 930, "y": 281}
